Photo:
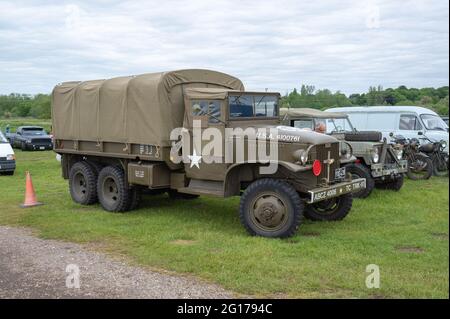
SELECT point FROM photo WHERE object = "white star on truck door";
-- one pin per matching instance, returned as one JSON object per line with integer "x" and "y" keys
{"x": 195, "y": 159}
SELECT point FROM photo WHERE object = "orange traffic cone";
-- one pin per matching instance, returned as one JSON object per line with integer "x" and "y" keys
{"x": 30, "y": 195}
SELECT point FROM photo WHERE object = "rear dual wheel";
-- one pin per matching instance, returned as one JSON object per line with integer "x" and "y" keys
{"x": 90, "y": 183}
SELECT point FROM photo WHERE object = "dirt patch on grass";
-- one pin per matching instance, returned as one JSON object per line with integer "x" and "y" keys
{"x": 410, "y": 249}
{"x": 183, "y": 242}
{"x": 442, "y": 236}
{"x": 310, "y": 234}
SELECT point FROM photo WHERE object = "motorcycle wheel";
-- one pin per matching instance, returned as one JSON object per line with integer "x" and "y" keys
{"x": 420, "y": 167}
{"x": 440, "y": 166}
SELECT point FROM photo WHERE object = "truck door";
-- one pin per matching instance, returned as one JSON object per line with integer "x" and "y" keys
{"x": 206, "y": 117}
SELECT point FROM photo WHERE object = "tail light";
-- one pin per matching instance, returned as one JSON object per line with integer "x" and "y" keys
{"x": 317, "y": 168}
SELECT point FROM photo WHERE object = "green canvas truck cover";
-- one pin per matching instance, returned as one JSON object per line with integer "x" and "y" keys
{"x": 141, "y": 109}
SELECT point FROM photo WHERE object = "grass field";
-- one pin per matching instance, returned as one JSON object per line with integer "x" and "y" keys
{"x": 404, "y": 233}
{"x": 20, "y": 121}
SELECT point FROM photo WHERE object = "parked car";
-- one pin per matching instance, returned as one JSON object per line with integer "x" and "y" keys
{"x": 30, "y": 138}
{"x": 408, "y": 121}
{"x": 380, "y": 163}
{"x": 7, "y": 157}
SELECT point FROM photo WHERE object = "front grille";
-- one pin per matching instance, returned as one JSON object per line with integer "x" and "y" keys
{"x": 41, "y": 141}
{"x": 2, "y": 159}
{"x": 323, "y": 153}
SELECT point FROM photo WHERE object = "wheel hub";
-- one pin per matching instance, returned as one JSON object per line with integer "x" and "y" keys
{"x": 269, "y": 211}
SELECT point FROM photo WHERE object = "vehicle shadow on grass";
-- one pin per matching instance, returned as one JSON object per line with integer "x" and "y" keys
{"x": 215, "y": 214}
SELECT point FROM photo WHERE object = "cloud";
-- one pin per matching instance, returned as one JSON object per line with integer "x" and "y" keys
{"x": 341, "y": 45}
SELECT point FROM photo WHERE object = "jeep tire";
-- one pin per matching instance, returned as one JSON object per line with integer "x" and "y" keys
{"x": 360, "y": 171}
{"x": 271, "y": 208}
{"x": 330, "y": 209}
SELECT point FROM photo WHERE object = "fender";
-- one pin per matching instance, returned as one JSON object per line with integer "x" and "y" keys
{"x": 232, "y": 180}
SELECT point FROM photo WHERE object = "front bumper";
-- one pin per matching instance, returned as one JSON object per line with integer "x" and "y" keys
{"x": 336, "y": 190}
{"x": 39, "y": 147}
{"x": 383, "y": 170}
{"x": 7, "y": 166}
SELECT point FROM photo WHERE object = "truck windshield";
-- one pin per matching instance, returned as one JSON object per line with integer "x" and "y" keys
{"x": 249, "y": 105}
{"x": 433, "y": 122}
{"x": 3, "y": 138}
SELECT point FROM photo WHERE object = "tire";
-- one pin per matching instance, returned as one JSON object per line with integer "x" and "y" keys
{"x": 363, "y": 136}
{"x": 361, "y": 171}
{"x": 113, "y": 191}
{"x": 439, "y": 167}
{"x": 173, "y": 194}
{"x": 332, "y": 209}
{"x": 23, "y": 146}
{"x": 394, "y": 185}
{"x": 7, "y": 173}
{"x": 83, "y": 183}
{"x": 135, "y": 198}
{"x": 424, "y": 173}
{"x": 276, "y": 199}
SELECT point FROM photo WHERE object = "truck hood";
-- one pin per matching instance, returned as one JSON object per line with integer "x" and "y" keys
{"x": 5, "y": 149}
{"x": 294, "y": 135}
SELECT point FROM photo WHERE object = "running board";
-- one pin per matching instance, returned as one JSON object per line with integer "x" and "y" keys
{"x": 202, "y": 187}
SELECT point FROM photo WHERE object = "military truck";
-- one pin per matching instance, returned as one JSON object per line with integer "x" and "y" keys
{"x": 116, "y": 140}
{"x": 380, "y": 163}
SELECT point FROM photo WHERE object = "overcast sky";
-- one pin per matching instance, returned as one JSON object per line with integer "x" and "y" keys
{"x": 340, "y": 45}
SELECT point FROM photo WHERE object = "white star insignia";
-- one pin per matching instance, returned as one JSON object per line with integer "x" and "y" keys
{"x": 195, "y": 159}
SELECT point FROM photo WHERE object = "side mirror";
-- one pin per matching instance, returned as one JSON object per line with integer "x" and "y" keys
{"x": 391, "y": 134}
{"x": 420, "y": 133}
{"x": 18, "y": 133}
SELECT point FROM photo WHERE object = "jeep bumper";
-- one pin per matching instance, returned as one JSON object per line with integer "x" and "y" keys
{"x": 336, "y": 190}
{"x": 387, "y": 170}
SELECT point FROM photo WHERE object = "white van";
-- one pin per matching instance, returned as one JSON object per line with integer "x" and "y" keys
{"x": 409, "y": 121}
{"x": 7, "y": 157}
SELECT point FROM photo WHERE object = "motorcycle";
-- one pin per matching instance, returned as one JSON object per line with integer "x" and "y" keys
{"x": 420, "y": 166}
{"x": 439, "y": 158}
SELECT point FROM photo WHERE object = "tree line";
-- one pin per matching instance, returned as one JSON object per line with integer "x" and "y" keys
{"x": 433, "y": 98}
{"x": 38, "y": 106}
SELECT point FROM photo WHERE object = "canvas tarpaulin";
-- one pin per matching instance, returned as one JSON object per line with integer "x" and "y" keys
{"x": 140, "y": 109}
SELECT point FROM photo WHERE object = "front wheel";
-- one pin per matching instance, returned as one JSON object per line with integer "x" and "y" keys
{"x": 440, "y": 165}
{"x": 23, "y": 146}
{"x": 331, "y": 209}
{"x": 419, "y": 167}
{"x": 271, "y": 208}
{"x": 394, "y": 185}
{"x": 360, "y": 171}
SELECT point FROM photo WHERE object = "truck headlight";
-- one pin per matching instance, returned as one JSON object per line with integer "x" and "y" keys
{"x": 399, "y": 154}
{"x": 443, "y": 144}
{"x": 301, "y": 155}
{"x": 10, "y": 157}
{"x": 375, "y": 155}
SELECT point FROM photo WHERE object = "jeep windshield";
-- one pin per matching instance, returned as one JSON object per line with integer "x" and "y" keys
{"x": 325, "y": 125}
{"x": 433, "y": 122}
{"x": 3, "y": 138}
{"x": 252, "y": 106}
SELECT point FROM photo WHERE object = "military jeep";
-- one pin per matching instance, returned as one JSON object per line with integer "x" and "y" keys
{"x": 125, "y": 136}
{"x": 380, "y": 163}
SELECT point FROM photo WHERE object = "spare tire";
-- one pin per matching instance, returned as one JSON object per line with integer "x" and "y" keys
{"x": 363, "y": 136}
